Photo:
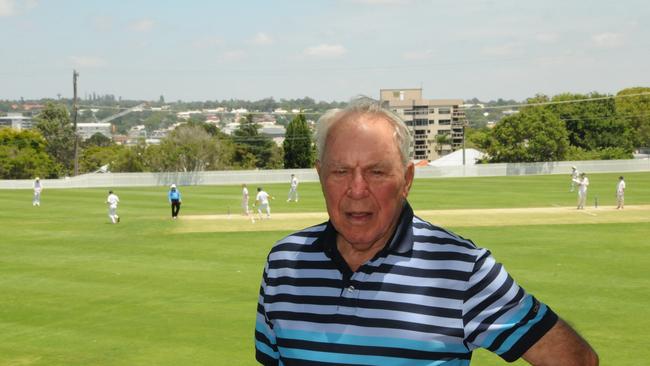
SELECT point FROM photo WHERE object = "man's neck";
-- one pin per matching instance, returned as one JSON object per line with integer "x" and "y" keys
{"x": 356, "y": 258}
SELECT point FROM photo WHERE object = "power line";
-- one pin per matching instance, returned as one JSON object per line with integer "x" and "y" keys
{"x": 175, "y": 111}
{"x": 463, "y": 108}
{"x": 613, "y": 116}
{"x": 556, "y": 102}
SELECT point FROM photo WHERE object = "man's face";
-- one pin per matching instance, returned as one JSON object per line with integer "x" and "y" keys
{"x": 364, "y": 180}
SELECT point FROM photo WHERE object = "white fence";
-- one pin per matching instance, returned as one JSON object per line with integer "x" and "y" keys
{"x": 555, "y": 167}
{"x": 236, "y": 177}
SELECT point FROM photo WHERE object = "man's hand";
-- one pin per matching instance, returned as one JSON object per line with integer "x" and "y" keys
{"x": 561, "y": 346}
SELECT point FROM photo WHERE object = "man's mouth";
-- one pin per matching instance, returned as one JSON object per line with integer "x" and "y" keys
{"x": 358, "y": 215}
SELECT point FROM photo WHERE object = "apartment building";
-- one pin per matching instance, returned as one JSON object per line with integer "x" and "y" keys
{"x": 436, "y": 125}
{"x": 17, "y": 121}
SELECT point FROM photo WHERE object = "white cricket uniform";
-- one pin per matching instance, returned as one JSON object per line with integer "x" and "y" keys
{"x": 262, "y": 200}
{"x": 38, "y": 187}
{"x": 244, "y": 200}
{"x": 582, "y": 191}
{"x": 620, "y": 194}
{"x": 112, "y": 201}
{"x": 293, "y": 190}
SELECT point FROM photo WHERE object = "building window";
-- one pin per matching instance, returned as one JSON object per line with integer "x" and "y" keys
{"x": 444, "y": 110}
{"x": 444, "y": 122}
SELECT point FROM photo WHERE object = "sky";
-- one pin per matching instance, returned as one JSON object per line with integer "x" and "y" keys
{"x": 330, "y": 50}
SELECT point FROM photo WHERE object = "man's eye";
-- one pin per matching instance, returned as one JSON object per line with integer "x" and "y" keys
{"x": 340, "y": 171}
{"x": 377, "y": 172}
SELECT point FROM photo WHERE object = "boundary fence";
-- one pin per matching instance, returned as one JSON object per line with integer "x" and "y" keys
{"x": 236, "y": 177}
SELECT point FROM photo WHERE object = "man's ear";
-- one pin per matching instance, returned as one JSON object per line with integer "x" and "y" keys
{"x": 408, "y": 178}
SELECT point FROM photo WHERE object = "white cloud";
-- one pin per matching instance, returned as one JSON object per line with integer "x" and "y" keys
{"x": 418, "y": 55}
{"x": 233, "y": 55}
{"x": 16, "y": 7}
{"x": 87, "y": 61}
{"x": 326, "y": 50}
{"x": 102, "y": 23}
{"x": 262, "y": 39}
{"x": 207, "y": 42}
{"x": 607, "y": 40}
{"x": 142, "y": 25}
{"x": 7, "y": 8}
{"x": 547, "y": 37}
{"x": 507, "y": 49}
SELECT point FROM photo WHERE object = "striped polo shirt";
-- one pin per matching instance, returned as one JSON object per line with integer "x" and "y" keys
{"x": 429, "y": 297}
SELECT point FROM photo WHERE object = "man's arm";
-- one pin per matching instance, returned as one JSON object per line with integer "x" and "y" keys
{"x": 561, "y": 346}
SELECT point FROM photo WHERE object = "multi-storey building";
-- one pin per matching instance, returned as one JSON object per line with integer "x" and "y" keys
{"x": 17, "y": 121}
{"x": 436, "y": 125}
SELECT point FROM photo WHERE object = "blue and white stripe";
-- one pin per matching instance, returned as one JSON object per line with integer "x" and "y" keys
{"x": 427, "y": 300}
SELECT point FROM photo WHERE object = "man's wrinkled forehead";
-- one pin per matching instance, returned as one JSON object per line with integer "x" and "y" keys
{"x": 358, "y": 120}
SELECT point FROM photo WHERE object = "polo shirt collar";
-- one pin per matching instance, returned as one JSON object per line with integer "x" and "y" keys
{"x": 401, "y": 240}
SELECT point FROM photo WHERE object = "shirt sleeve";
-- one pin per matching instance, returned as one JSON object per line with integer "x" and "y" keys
{"x": 499, "y": 315}
{"x": 266, "y": 349}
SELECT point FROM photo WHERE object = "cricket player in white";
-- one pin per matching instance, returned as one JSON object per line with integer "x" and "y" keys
{"x": 38, "y": 188}
{"x": 112, "y": 202}
{"x": 620, "y": 193}
{"x": 293, "y": 191}
{"x": 244, "y": 199}
{"x": 262, "y": 201}
{"x": 574, "y": 176}
{"x": 583, "y": 183}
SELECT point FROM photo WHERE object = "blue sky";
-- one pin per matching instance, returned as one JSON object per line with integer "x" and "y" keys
{"x": 324, "y": 49}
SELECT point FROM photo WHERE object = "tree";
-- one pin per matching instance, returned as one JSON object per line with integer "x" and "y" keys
{"x": 191, "y": 148}
{"x": 592, "y": 125}
{"x": 93, "y": 157}
{"x": 298, "y": 146}
{"x": 98, "y": 139}
{"x": 23, "y": 155}
{"x": 535, "y": 134}
{"x": 54, "y": 124}
{"x": 636, "y": 111}
{"x": 131, "y": 159}
{"x": 253, "y": 150}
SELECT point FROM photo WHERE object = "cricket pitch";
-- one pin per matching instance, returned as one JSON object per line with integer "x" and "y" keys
{"x": 444, "y": 218}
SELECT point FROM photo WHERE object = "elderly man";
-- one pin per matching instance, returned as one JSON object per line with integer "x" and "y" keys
{"x": 376, "y": 285}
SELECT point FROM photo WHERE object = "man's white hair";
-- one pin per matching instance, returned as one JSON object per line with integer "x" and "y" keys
{"x": 362, "y": 105}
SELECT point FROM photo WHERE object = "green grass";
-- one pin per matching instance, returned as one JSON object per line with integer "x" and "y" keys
{"x": 76, "y": 290}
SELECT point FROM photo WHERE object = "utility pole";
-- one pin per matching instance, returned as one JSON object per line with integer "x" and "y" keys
{"x": 75, "y": 75}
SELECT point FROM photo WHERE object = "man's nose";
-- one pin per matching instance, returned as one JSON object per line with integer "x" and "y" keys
{"x": 358, "y": 185}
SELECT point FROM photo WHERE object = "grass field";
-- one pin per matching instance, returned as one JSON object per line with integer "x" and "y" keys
{"x": 76, "y": 290}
